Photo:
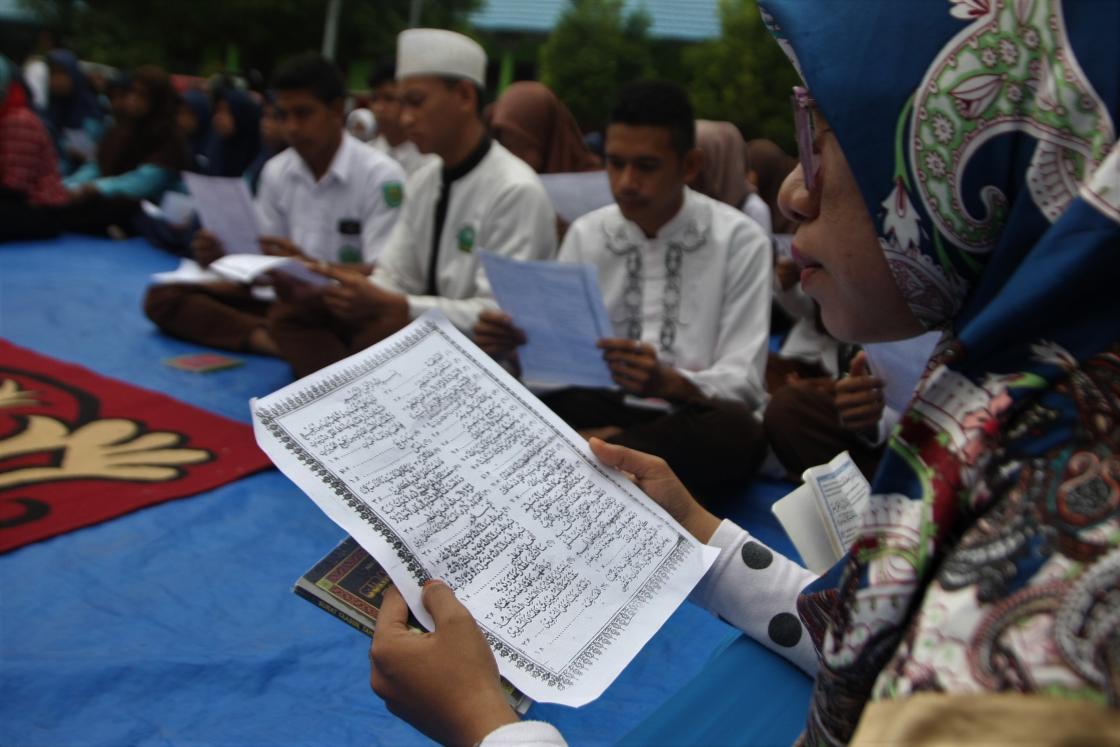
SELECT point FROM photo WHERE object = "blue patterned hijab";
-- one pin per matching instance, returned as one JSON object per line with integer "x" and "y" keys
{"x": 982, "y": 134}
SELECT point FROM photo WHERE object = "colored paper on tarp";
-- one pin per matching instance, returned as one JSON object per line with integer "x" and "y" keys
{"x": 77, "y": 448}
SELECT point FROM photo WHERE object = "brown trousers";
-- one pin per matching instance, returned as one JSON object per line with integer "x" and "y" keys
{"x": 310, "y": 338}
{"x": 219, "y": 315}
{"x": 803, "y": 427}
{"x": 714, "y": 446}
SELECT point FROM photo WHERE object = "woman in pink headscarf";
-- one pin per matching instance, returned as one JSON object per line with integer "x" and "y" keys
{"x": 723, "y": 176}
{"x": 536, "y": 127}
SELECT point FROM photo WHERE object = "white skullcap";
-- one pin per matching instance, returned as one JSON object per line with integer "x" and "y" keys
{"x": 440, "y": 52}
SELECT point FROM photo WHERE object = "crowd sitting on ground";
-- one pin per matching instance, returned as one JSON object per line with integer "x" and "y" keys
{"x": 978, "y": 479}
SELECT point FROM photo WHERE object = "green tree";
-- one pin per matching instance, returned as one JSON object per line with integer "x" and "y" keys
{"x": 201, "y": 36}
{"x": 743, "y": 77}
{"x": 592, "y": 51}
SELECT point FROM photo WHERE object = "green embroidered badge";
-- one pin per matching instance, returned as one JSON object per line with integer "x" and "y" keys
{"x": 349, "y": 255}
{"x": 394, "y": 193}
{"x": 466, "y": 239}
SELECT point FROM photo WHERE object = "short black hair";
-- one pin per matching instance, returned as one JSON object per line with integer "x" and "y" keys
{"x": 386, "y": 72}
{"x": 311, "y": 72}
{"x": 657, "y": 103}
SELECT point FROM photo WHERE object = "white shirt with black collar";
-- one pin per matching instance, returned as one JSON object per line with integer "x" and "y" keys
{"x": 346, "y": 216}
{"x": 494, "y": 201}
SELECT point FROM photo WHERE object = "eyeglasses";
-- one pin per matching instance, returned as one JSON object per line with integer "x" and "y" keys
{"x": 803, "y": 105}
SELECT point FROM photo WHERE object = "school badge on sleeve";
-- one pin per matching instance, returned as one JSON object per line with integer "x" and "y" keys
{"x": 393, "y": 193}
{"x": 466, "y": 239}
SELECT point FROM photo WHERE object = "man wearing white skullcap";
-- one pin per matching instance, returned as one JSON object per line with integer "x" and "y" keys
{"x": 478, "y": 195}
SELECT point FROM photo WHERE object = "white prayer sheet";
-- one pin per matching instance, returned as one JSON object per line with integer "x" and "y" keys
{"x": 245, "y": 268}
{"x": 900, "y": 365}
{"x": 560, "y": 309}
{"x": 226, "y": 210}
{"x": 577, "y": 193}
{"x": 441, "y": 465}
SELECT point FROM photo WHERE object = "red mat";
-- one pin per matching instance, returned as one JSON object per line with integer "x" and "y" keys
{"x": 77, "y": 448}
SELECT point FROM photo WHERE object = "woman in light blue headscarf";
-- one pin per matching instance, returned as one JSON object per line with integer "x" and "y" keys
{"x": 959, "y": 172}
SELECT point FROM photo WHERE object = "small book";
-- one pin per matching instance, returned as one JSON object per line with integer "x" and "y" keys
{"x": 349, "y": 584}
{"x": 823, "y": 517}
{"x": 202, "y": 362}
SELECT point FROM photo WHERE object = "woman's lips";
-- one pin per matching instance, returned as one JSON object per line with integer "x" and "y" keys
{"x": 802, "y": 261}
{"x": 808, "y": 266}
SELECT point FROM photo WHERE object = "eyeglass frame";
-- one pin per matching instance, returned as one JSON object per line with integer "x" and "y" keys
{"x": 803, "y": 104}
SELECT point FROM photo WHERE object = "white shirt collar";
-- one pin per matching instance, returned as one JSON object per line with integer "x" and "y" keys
{"x": 340, "y": 167}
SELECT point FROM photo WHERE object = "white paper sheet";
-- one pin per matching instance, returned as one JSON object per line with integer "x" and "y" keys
{"x": 577, "y": 193}
{"x": 442, "y": 465}
{"x": 226, "y": 209}
{"x": 177, "y": 207}
{"x": 900, "y": 364}
{"x": 188, "y": 272}
{"x": 560, "y": 309}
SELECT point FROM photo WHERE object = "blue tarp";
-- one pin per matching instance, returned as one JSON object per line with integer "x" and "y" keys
{"x": 176, "y": 625}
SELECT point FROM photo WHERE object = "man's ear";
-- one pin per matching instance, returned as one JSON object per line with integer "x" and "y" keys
{"x": 693, "y": 164}
{"x": 338, "y": 108}
{"x": 466, "y": 95}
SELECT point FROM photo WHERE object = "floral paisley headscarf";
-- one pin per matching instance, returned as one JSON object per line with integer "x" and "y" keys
{"x": 982, "y": 134}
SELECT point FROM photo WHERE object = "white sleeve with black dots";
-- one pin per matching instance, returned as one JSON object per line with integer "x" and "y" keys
{"x": 756, "y": 589}
{"x": 524, "y": 734}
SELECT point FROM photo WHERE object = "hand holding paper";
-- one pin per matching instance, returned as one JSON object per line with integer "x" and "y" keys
{"x": 559, "y": 308}
{"x": 226, "y": 210}
{"x": 444, "y": 683}
{"x": 443, "y": 466}
{"x": 496, "y": 333}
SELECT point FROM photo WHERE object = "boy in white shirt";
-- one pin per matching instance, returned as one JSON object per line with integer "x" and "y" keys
{"x": 686, "y": 281}
{"x": 328, "y": 198}
{"x": 476, "y": 195}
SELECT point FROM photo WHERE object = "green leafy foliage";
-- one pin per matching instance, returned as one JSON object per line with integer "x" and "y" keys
{"x": 201, "y": 36}
{"x": 592, "y": 51}
{"x": 743, "y": 77}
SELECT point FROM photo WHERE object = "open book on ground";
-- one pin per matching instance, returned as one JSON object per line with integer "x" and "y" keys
{"x": 824, "y": 515}
{"x": 241, "y": 268}
{"x": 442, "y": 465}
{"x": 349, "y": 584}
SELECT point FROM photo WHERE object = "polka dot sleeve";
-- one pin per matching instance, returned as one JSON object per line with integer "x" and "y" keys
{"x": 756, "y": 590}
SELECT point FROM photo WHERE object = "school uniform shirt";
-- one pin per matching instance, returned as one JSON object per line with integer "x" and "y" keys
{"x": 406, "y": 154}
{"x": 698, "y": 292}
{"x": 347, "y": 216}
{"x": 491, "y": 201}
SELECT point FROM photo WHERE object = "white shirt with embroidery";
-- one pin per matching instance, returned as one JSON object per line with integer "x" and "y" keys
{"x": 751, "y": 587}
{"x": 699, "y": 292}
{"x": 499, "y": 206}
{"x": 361, "y": 192}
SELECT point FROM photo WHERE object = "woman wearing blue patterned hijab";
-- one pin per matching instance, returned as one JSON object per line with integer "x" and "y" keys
{"x": 980, "y": 136}
{"x": 959, "y": 171}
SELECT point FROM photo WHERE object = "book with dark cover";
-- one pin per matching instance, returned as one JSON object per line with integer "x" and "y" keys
{"x": 350, "y": 584}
